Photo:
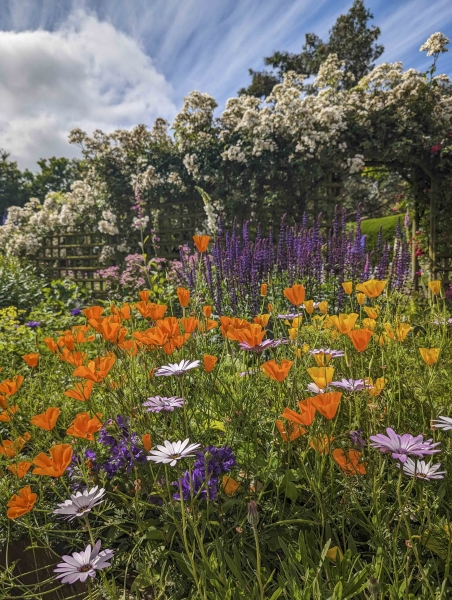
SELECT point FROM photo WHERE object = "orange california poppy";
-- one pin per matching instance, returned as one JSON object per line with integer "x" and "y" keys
{"x": 20, "y": 469}
{"x": 82, "y": 391}
{"x": 321, "y": 444}
{"x": 46, "y": 420}
{"x": 435, "y": 286}
{"x": 144, "y": 295}
{"x": 157, "y": 311}
{"x": 153, "y": 337}
{"x": 309, "y": 306}
{"x": 97, "y": 369}
{"x": 348, "y": 287}
{"x": 349, "y": 462}
{"x": 289, "y": 431}
{"x": 56, "y": 465}
{"x": 429, "y": 355}
{"x": 7, "y": 414}
{"x": 129, "y": 346}
{"x": 207, "y": 311}
{"x": 75, "y": 358}
{"x": 184, "y": 296}
{"x": 228, "y": 323}
{"x": 230, "y": 485}
{"x": 51, "y": 344}
{"x": 31, "y": 359}
{"x": 322, "y": 359}
{"x": 93, "y": 312}
{"x": 401, "y": 331}
{"x": 371, "y": 312}
{"x": 8, "y": 388}
{"x": 175, "y": 343}
{"x": 295, "y": 294}
{"x": 275, "y": 371}
{"x": 84, "y": 426}
{"x": 369, "y": 324}
{"x": 264, "y": 289}
{"x": 123, "y": 312}
{"x": 10, "y": 448}
{"x": 371, "y": 288}
{"x": 323, "y": 307}
{"x": 253, "y": 336}
{"x": 189, "y": 324}
{"x": 305, "y": 417}
{"x": 207, "y": 325}
{"x": 327, "y": 404}
{"x": 21, "y": 503}
{"x": 375, "y": 389}
{"x": 147, "y": 441}
{"x": 262, "y": 320}
{"x": 321, "y": 376}
{"x": 201, "y": 242}
{"x": 360, "y": 338}
{"x": 344, "y": 323}
{"x": 209, "y": 362}
{"x": 361, "y": 298}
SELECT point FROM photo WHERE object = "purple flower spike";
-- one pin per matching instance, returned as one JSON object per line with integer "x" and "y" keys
{"x": 33, "y": 324}
{"x": 75, "y": 312}
{"x": 400, "y": 446}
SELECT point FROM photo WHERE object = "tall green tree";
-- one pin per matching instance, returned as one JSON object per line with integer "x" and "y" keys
{"x": 13, "y": 189}
{"x": 56, "y": 175}
{"x": 352, "y": 38}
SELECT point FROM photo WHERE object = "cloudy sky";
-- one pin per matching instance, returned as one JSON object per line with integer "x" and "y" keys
{"x": 112, "y": 64}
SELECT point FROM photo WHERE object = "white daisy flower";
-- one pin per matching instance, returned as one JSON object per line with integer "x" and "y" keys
{"x": 315, "y": 389}
{"x": 159, "y": 403}
{"x": 80, "y": 503}
{"x": 177, "y": 368}
{"x": 422, "y": 470}
{"x": 82, "y": 565}
{"x": 442, "y": 423}
{"x": 171, "y": 452}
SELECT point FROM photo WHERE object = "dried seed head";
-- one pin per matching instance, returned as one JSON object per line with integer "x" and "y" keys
{"x": 253, "y": 515}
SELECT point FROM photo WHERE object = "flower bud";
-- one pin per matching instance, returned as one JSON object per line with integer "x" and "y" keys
{"x": 253, "y": 515}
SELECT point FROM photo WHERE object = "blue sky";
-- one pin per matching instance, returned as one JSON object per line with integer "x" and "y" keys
{"x": 115, "y": 63}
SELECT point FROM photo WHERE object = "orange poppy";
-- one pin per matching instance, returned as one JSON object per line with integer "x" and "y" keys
{"x": 323, "y": 307}
{"x": 144, "y": 295}
{"x": 275, "y": 371}
{"x": 21, "y": 503}
{"x": 20, "y": 469}
{"x": 230, "y": 485}
{"x": 8, "y": 388}
{"x": 361, "y": 298}
{"x": 51, "y": 344}
{"x": 184, "y": 296}
{"x": 377, "y": 388}
{"x": 150, "y": 310}
{"x": 228, "y": 323}
{"x": 322, "y": 359}
{"x": 349, "y": 462}
{"x": 270, "y": 308}
{"x": 93, "y": 312}
{"x": 96, "y": 370}
{"x": 321, "y": 376}
{"x": 369, "y": 324}
{"x": 207, "y": 311}
{"x": 189, "y": 324}
{"x": 129, "y": 346}
{"x": 208, "y": 325}
{"x": 344, "y": 323}
{"x": 327, "y": 404}
{"x": 7, "y": 415}
{"x": 56, "y": 465}
{"x": 262, "y": 320}
{"x": 371, "y": 312}
{"x": 264, "y": 289}
{"x": 321, "y": 444}
{"x": 81, "y": 392}
{"x": 429, "y": 355}
{"x": 84, "y": 426}
{"x": 153, "y": 337}
{"x": 147, "y": 441}
{"x": 348, "y": 287}
{"x": 372, "y": 288}
{"x": 122, "y": 312}
{"x": 209, "y": 362}
{"x": 10, "y": 448}
{"x": 175, "y": 343}
{"x": 46, "y": 420}
{"x": 360, "y": 338}
{"x": 31, "y": 359}
{"x": 295, "y": 294}
{"x": 306, "y": 417}
{"x": 201, "y": 242}
{"x": 289, "y": 431}
{"x": 401, "y": 331}
{"x": 74, "y": 358}
{"x": 435, "y": 286}
{"x": 253, "y": 336}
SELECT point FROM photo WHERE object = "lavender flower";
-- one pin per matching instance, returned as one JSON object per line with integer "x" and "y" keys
{"x": 357, "y": 438}
{"x": 158, "y": 403}
{"x": 400, "y": 446}
{"x": 422, "y": 470}
{"x": 218, "y": 460}
{"x": 196, "y": 486}
{"x": 350, "y": 385}
{"x": 81, "y": 565}
{"x": 33, "y": 324}
{"x": 124, "y": 446}
{"x": 80, "y": 504}
{"x": 75, "y": 312}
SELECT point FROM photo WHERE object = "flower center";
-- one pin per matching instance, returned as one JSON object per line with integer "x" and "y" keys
{"x": 175, "y": 455}
{"x": 85, "y": 568}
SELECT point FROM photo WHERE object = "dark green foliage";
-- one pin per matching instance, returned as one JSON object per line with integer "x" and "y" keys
{"x": 12, "y": 184}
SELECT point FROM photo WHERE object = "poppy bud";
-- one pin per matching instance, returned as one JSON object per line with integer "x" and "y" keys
{"x": 264, "y": 289}
{"x": 253, "y": 515}
{"x": 374, "y": 587}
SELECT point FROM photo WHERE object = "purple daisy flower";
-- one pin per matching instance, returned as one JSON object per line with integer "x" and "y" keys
{"x": 327, "y": 352}
{"x": 350, "y": 385}
{"x": 422, "y": 470}
{"x": 264, "y": 345}
{"x": 400, "y": 446}
{"x": 158, "y": 403}
{"x": 82, "y": 565}
{"x": 290, "y": 316}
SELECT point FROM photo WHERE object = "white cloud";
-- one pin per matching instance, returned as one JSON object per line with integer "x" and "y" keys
{"x": 86, "y": 74}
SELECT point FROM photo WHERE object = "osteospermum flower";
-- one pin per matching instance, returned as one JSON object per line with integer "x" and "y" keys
{"x": 350, "y": 385}
{"x": 264, "y": 345}
{"x": 442, "y": 423}
{"x": 80, "y": 503}
{"x": 290, "y": 316}
{"x": 158, "y": 403}
{"x": 422, "y": 470}
{"x": 177, "y": 368}
{"x": 171, "y": 452}
{"x": 315, "y": 389}
{"x": 81, "y": 565}
{"x": 400, "y": 446}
